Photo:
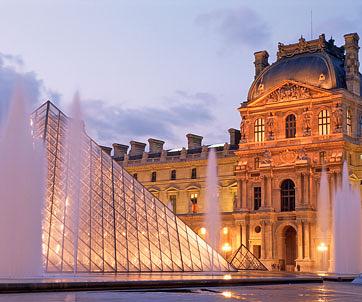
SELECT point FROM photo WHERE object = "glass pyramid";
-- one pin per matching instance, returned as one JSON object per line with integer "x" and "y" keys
{"x": 121, "y": 227}
{"x": 243, "y": 259}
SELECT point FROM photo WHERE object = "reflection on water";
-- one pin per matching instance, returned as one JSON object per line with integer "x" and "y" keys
{"x": 333, "y": 291}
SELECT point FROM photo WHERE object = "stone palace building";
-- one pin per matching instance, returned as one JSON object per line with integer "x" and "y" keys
{"x": 303, "y": 114}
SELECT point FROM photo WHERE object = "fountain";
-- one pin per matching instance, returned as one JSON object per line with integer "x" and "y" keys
{"x": 21, "y": 194}
{"x": 212, "y": 202}
{"x": 323, "y": 223}
{"x": 347, "y": 227}
{"x": 74, "y": 138}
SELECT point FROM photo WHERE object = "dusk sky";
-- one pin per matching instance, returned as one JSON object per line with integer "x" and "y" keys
{"x": 154, "y": 68}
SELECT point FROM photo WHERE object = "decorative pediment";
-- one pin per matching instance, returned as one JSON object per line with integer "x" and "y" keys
{"x": 290, "y": 91}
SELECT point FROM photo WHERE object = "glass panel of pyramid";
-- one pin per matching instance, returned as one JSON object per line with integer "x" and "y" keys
{"x": 243, "y": 259}
{"x": 98, "y": 218}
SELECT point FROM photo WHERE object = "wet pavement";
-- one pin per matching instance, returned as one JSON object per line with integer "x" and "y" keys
{"x": 328, "y": 291}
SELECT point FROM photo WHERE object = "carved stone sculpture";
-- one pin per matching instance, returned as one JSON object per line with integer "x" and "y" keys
{"x": 270, "y": 126}
{"x": 244, "y": 128}
{"x": 307, "y": 117}
{"x": 267, "y": 157}
{"x": 337, "y": 115}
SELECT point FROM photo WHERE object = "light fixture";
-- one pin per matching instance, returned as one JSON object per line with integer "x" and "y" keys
{"x": 226, "y": 247}
{"x": 226, "y": 294}
{"x": 225, "y": 230}
{"x": 322, "y": 247}
{"x": 203, "y": 231}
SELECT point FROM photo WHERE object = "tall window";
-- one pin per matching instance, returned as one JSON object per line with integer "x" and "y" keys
{"x": 257, "y": 198}
{"x": 135, "y": 175}
{"x": 193, "y": 199}
{"x": 193, "y": 173}
{"x": 324, "y": 122}
{"x": 154, "y": 176}
{"x": 172, "y": 203}
{"x": 349, "y": 122}
{"x": 173, "y": 174}
{"x": 259, "y": 130}
{"x": 290, "y": 126}
{"x": 287, "y": 192}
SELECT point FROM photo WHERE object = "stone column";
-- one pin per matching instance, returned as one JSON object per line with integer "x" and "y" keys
{"x": 264, "y": 192}
{"x": 300, "y": 240}
{"x": 269, "y": 240}
{"x": 244, "y": 204}
{"x": 312, "y": 183}
{"x": 239, "y": 197}
{"x": 306, "y": 181}
{"x": 263, "y": 241}
{"x": 269, "y": 193}
{"x": 300, "y": 190}
{"x": 243, "y": 233}
{"x": 306, "y": 228}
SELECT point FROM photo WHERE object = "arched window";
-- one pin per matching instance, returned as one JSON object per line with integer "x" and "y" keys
{"x": 287, "y": 196}
{"x": 290, "y": 126}
{"x": 173, "y": 174}
{"x": 154, "y": 176}
{"x": 324, "y": 122}
{"x": 259, "y": 130}
{"x": 349, "y": 122}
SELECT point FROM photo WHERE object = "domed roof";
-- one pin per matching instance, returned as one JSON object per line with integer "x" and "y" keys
{"x": 317, "y": 69}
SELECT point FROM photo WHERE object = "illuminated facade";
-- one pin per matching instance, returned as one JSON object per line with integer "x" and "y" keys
{"x": 121, "y": 227}
{"x": 303, "y": 113}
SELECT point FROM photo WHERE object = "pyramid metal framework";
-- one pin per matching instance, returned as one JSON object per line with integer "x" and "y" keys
{"x": 121, "y": 227}
{"x": 243, "y": 259}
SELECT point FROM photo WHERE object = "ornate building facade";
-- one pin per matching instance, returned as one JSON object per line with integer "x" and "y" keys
{"x": 303, "y": 114}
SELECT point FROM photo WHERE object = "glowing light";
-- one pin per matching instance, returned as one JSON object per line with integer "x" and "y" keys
{"x": 57, "y": 248}
{"x": 227, "y": 277}
{"x": 203, "y": 231}
{"x": 322, "y": 247}
{"x": 67, "y": 201}
{"x": 225, "y": 230}
{"x": 226, "y": 247}
{"x": 227, "y": 294}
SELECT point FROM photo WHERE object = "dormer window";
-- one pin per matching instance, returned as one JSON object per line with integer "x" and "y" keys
{"x": 290, "y": 126}
{"x": 324, "y": 122}
{"x": 349, "y": 122}
{"x": 259, "y": 130}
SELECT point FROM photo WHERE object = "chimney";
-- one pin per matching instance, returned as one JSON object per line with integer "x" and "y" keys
{"x": 156, "y": 146}
{"x": 119, "y": 150}
{"x": 137, "y": 148}
{"x": 351, "y": 63}
{"x": 108, "y": 150}
{"x": 193, "y": 141}
{"x": 234, "y": 136}
{"x": 261, "y": 61}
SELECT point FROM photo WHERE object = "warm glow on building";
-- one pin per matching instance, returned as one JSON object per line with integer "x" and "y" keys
{"x": 203, "y": 231}
{"x": 226, "y": 247}
{"x": 322, "y": 247}
{"x": 225, "y": 230}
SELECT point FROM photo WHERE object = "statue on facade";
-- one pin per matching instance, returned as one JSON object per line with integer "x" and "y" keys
{"x": 267, "y": 157}
{"x": 337, "y": 115}
{"x": 270, "y": 126}
{"x": 307, "y": 117}
{"x": 302, "y": 155}
{"x": 244, "y": 128}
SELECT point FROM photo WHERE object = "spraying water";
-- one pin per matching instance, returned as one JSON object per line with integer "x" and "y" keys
{"x": 347, "y": 227}
{"x": 74, "y": 138}
{"x": 323, "y": 222}
{"x": 21, "y": 194}
{"x": 212, "y": 203}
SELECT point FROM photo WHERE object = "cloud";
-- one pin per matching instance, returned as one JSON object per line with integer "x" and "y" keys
{"x": 110, "y": 123}
{"x": 11, "y": 74}
{"x": 241, "y": 27}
